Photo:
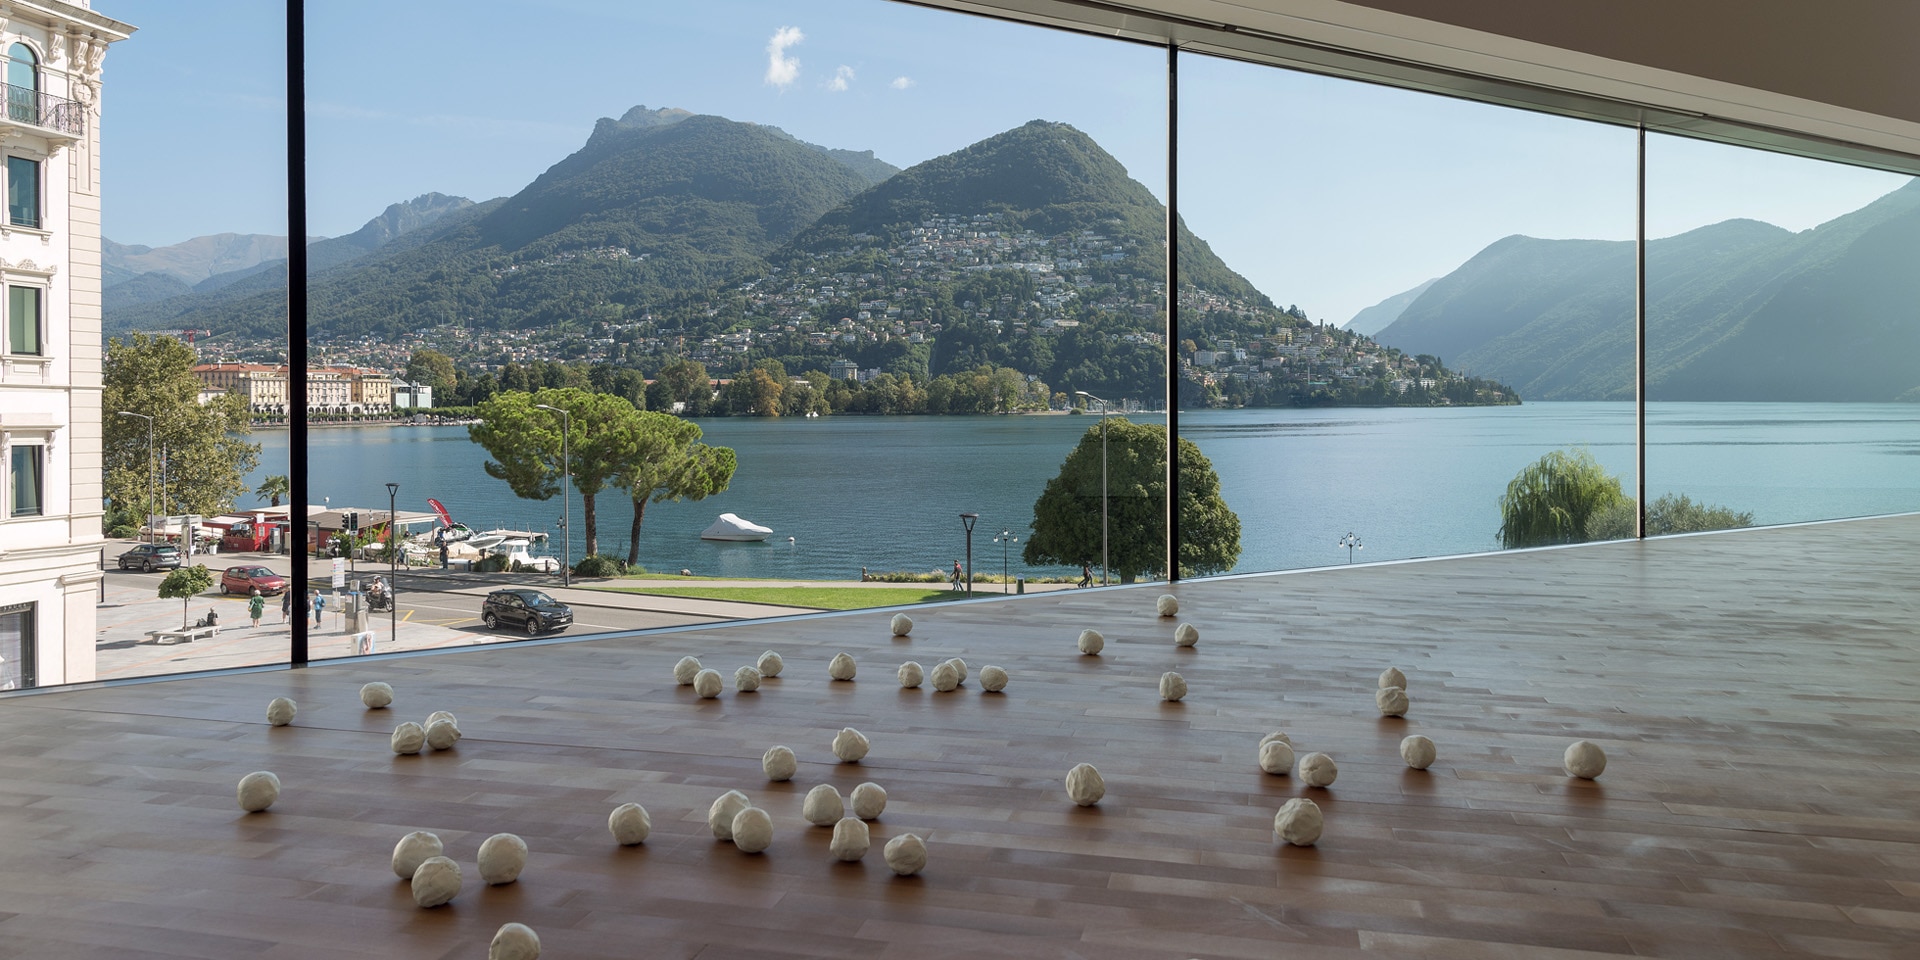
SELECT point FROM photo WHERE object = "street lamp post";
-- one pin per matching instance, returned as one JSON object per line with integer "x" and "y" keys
{"x": 967, "y": 520}
{"x": 1103, "y": 482}
{"x": 566, "y": 467}
{"x": 393, "y": 564}
{"x": 1352, "y": 542}
{"x": 1005, "y": 538}
{"x": 149, "y": 420}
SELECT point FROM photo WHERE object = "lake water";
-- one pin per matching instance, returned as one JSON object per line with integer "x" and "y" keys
{"x": 886, "y": 492}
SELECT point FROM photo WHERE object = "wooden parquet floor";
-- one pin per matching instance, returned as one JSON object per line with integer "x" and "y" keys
{"x": 1755, "y": 693}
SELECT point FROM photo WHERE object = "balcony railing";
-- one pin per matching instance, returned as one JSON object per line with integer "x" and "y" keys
{"x": 29, "y": 106}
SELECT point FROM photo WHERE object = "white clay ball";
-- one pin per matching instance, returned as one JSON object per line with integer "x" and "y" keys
{"x": 720, "y": 815}
{"x": 707, "y": 684}
{"x": 514, "y": 941}
{"x": 1317, "y": 770}
{"x": 1417, "y": 751}
{"x": 911, "y": 674}
{"x": 945, "y": 676}
{"x": 1172, "y": 686}
{"x": 1091, "y": 642}
{"x": 850, "y": 839}
{"x": 413, "y": 850}
{"x": 442, "y": 715}
{"x": 1392, "y": 677}
{"x": 280, "y": 712}
{"x": 779, "y": 763}
{"x": 769, "y": 665}
{"x": 841, "y": 668}
{"x": 746, "y": 679}
{"x": 436, "y": 882}
{"x": 1167, "y": 605}
{"x": 901, "y": 625}
{"x": 1298, "y": 822}
{"x": 502, "y": 857}
{"x": 1085, "y": 785}
{"x": 993, "y": 679}
{"x": 1276, "y": 735}
{"x": 1585, "y": 759}
{"x": 257, "y": 791}
{"x": 629, "y": 824}
{"x": 850, "y": 744}
{"x": 823, "y": 806}
{"x": 1276, "y": 757}
{"x": 869, "y": 800}
{"x": 408, "y": 738}
{"x": 685, "y": 670}
{"x": 442, "y": 734}
{"x": 752, "y": 830}
{"x": 959, "y": 667}
{"x": 1186, "y": 635}
{"x": 906, "y": 854}
{"x": 376, "y": 695}
{"x": 1392, "y": 701}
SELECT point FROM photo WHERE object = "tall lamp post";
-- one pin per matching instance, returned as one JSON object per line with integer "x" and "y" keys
{"x": 1005, "y": 538}
{"x": 1103, "y": 482}
{"x": 1352, "y": 542}
{"x": 393, "y": 564}
{"x": 149, "y": 420}
{"x": 566, "y": 467}
{"x": 967, "y": 520}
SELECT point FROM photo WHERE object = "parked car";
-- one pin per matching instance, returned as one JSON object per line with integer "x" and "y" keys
{"x": 528, "y": 609}
{"x": 151, "y": 557}
{"x": 245, "y": 580}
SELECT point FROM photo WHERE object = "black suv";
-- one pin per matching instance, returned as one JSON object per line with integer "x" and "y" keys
{"x": 526, "y": 608}
{"x": 151, "y": 557}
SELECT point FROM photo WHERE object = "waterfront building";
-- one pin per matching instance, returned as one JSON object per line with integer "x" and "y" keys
{"x": 50, "y": 427}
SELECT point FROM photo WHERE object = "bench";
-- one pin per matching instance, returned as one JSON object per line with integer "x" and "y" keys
{"x": 184, "y": 635}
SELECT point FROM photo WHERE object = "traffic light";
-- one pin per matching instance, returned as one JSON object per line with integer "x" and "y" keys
{"x": 353, "y": 522}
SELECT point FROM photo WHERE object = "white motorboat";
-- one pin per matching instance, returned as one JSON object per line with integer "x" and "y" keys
{"x": 515, "y": 550}
{"x": 730, "y": 527}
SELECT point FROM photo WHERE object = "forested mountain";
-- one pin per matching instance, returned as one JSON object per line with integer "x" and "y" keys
{"x": 1738, "y": 310}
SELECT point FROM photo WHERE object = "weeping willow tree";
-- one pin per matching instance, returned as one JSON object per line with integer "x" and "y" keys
{"x": 1551, "y": 500}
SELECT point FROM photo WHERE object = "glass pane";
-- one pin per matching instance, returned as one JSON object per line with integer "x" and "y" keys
{"x": 1782, "y": 332}
{"x": 27, "y": 482}
{"x": 23, "y": 321}
{"x": 23, "y": 192}
{"x": 1393, "y": 270}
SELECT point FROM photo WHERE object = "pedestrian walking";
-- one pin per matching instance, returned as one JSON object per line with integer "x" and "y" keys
{"x": 286, "y": 606}
{"x": 319, "y": 608}
{"x": 256, "y": 606}
{"x": 1086, "y": 574}
{"x": 957, "y": 575}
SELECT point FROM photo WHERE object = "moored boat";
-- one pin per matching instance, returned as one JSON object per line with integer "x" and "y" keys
{"x": 731, "y": 527}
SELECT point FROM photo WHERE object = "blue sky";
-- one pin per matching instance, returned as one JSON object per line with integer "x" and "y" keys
{"x": 1329, "y": 194}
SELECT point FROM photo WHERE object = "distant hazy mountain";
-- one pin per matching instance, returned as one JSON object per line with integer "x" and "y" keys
{"x": 397, "y": 219}
{"x": 1374, "y": 319}
{"x": 189, "y": 261}
{"x": 1738, "y": 310}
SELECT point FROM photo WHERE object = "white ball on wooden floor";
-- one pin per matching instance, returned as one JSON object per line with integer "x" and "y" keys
{"x": 408, "y": 738}
{"x": 752, "y": 830}
{"x": 280, "y": 711}
{"x": 945, "y": 676}
{"x": 1392, "y": 677}
{"x": 514, "y": 941}
{"x": 502, "y": 857}
{"x": 707, "y": 684}
{"x": 746, "y": 679}
{"x": 1091, "y": 642}
{"x": 413, "y": 850}
{"x": 629, "y": 824}
{"x": 1417, "y": 751}
{"x": 442, "y": 715}
{"x": 1167, "y": 605}
{"x": 1298, "y": 822}
{"x": 1276, "y": 735}
{"x": 436, "y": 882}
{"x": 901, "y": 625}
{"x": 960, "y": 667}
{"x": 442, "y": 734}
{"x": 850, "y": 744}
{"x": 1186, "y": 635}
{"x": 823, "y": 806}
{"x": 257, "y": 791}
{"x": 910, "y": 674}
{"x": 993, "y": 679}
{"x": 841, "y": 667}
{"x": 685, "y": 670}
{"x": 1085, "y": 786}
{"x": 770, "y": 664}
{"x": 1585, "y": 759}
{"x": 1317, "y": 770}
{"x": 725, "y": 808}
{"x": 1172, "y": 686}
{"x": 376, "y": 695}
{"x": 779, "y": 763}
{"x": 851, "y": 840}
{"x": 1392, "y": 701}
{"x": 906, "y": 854}
{"x": 869, "y": 801}
{"x": 1276, "y": 757}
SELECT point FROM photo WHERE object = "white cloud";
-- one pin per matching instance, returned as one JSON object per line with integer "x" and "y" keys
{"x": 782, "y": 70}
{"x": 842, "y": 78}
{"x": 901, "y": 83}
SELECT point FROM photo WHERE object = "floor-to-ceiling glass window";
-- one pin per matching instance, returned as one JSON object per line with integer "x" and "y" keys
{"x": 1783, "y": 327}
{"x": 1406, "y": 328}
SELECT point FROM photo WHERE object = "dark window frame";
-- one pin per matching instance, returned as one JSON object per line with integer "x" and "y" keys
{"x": 17, "y": 673}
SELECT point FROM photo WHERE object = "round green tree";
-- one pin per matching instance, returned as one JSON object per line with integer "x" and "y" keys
{"x": 1066, "y": 518}
{"x": 185, "y": 583}
{"x": 1552, "y": 499}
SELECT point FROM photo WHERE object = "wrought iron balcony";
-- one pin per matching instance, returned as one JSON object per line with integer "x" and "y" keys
{"x": 44, "y": 110}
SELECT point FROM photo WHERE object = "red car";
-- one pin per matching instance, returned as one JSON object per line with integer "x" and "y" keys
{"x": 245, "y": 580}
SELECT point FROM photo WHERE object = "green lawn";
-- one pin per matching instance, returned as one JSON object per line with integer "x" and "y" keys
{"x": 818, "y": 598}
